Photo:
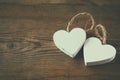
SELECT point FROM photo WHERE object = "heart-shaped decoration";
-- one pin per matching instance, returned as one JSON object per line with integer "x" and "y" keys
{"x": 95, "y": 53}
{"x": 70, "y": 42}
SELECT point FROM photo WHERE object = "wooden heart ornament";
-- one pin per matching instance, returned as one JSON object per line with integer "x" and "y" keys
{"x": 95, "y": 53}
{"x": 70, "y": 42}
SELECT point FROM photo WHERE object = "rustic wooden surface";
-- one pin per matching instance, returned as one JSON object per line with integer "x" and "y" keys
{"x": 36, "y": 2}
{"x": 27, "y": 51}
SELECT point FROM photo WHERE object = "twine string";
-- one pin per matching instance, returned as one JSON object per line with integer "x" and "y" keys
{"x": 101, "y": 29}
{"x": 79, "y": 14}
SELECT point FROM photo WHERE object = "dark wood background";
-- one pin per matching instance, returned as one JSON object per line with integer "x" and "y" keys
{"x": 27, "y": 51}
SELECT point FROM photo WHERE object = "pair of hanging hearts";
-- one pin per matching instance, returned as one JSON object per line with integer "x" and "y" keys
{"x": 95, "y": 53}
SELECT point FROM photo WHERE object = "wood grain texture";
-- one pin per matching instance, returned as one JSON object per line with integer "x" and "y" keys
{"x": 27, "y": 51}
{"x": 37, "y": 2}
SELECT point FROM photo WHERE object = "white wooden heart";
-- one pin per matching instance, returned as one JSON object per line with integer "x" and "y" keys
{"x": 70, "y": 42}
{"x": 95, "y": 53}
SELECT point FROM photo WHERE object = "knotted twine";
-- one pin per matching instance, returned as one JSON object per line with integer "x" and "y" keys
{"x": 99, "y": 30}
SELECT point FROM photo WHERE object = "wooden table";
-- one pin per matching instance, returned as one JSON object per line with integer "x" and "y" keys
{"x": 27, "y": 51}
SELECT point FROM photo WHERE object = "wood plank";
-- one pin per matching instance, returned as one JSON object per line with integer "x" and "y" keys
{"x": 27, "y": 51}
{"x": 37, "y": 2}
